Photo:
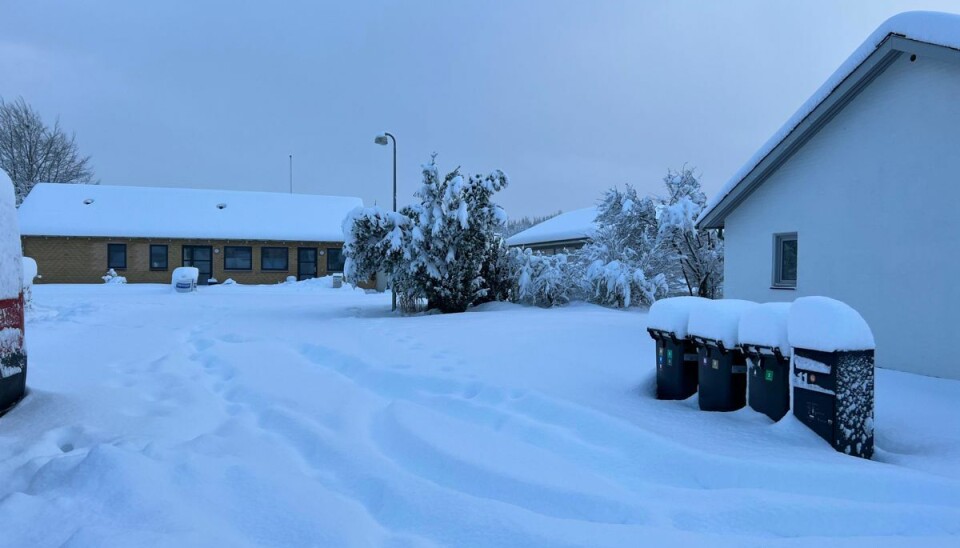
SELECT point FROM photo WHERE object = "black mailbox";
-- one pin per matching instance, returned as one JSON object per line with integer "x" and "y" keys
{"x": 723, "y": 378}
{"x": 833, "y": 395}
{"x": 768, "y": 380}
{"x": 676, "y": 366}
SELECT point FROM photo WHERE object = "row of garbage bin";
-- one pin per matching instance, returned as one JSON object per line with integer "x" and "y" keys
{"x": 736, "y": 353}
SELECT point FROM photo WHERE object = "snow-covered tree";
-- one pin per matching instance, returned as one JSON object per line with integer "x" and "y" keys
{"x": 697, "y": 255}
{"x": 445, "y": 250}
{"x": 625, "y": 263}
{"x": 545, "y": 280}
{"x": 32, "y": 152}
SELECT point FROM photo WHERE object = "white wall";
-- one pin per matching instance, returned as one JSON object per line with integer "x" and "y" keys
{"x": 874, "y": 198}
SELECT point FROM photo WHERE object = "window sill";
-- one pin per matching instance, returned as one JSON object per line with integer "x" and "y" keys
{"x": 238, "y": 270}
{"x": 787, "y": 287}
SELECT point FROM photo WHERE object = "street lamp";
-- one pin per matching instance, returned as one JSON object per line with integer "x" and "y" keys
{"x": 382, "y": 140}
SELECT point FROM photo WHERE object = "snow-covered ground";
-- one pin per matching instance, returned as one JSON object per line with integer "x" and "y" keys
{"x": 300, "y": 415}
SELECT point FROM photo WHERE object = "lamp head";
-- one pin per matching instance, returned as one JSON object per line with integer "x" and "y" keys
{"x": 381, "y": 140}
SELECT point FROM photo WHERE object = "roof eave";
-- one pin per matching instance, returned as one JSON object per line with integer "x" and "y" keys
{"x": 866, "y": 72}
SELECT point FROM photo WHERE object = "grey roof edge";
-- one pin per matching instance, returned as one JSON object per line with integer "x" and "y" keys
{"x": 888, "y": 51}
{"x": 582, "y": 240}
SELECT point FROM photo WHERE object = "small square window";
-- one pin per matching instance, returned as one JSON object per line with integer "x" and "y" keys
{"x": 785, "y": 261}
{"x": 117, "y": 256}
{"x": 274, "y": 258}
{"x": 158, "y": 257}
{"x": 237, "y": 257}
{"x": 334, "y": 259}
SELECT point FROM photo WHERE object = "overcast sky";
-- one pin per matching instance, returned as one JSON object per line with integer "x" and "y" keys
{"x": 567, "y": 98}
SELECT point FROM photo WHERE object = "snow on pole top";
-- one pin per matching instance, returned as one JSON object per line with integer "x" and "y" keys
{"x": 672, "y": 315}
{"x": 766, "y": 325}
{"x": 11, "y": 273}
{"x": 827, "y": 325}
{"x": 719, "y": 320}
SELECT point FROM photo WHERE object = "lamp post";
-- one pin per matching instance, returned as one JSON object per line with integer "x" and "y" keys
{"x": 382, "y": 140}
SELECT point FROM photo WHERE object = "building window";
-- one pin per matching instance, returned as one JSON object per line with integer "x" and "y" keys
{"x": 334, "y": 259}
{"x": 236, "y": 257}
{"x": 785, "y": 261}
{"x": 158, "y": 257}
{"x": 117, "y": 256}
{"x": 274, "y": 258}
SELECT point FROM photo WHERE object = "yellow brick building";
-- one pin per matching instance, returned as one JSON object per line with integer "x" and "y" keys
{"x": 76, "y": 233}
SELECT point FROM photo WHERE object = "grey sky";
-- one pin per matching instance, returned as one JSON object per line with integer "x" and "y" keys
{"x": 568, "y": 98}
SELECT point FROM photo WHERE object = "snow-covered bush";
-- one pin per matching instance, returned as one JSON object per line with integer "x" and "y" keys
{"x": 696, "y": 255}
{"x": 111, "y": 277}
{"x": 444, "y": 251}
{"x": 545, "y": 280}
{"x": 625, "y": 263}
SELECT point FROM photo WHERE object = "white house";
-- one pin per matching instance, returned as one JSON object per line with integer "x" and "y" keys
{"x": 855, "y": 197}
{"x": 568, "y": 231}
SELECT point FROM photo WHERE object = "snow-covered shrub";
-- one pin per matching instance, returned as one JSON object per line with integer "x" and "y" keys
{"x": 545, "y": 280}
{"x": 437, "y": 251}
{"x": 111, "y": 277}
{"x": 696, "y": 255}
{"x": 625, "y": 263}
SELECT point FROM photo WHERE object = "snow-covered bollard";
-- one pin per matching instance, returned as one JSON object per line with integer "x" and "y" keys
{"x": 184, "y": 279}
{"x": 13, "y": 357}
{"x": 337, "y": 281}
{"x": 676, "y": 354}
{"x": 833, "y": 363}
{"x": 763, "y": 338}
{"x": 722, "y": 366}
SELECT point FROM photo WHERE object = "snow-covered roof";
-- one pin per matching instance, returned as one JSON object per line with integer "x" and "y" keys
{"x": 152, "y": 212}
{"x": 572, "y": 225}
{"x": 941, "y": 29}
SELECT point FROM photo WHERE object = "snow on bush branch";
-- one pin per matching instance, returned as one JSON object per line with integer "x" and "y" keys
{"x": 444, "y": 251}
{"x": 644, "y": 249}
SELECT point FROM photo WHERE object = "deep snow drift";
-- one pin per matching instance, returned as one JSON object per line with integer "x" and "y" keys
{"x": 299, "y": 415}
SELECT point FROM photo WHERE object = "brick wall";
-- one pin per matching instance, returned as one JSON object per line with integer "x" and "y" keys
{"x": 84, "y": 260}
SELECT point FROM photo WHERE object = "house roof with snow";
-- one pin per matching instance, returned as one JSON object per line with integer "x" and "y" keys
{"x": 919, "y": 32}
{"x": 153, "y": 212}
{"x": 572, "y": 226}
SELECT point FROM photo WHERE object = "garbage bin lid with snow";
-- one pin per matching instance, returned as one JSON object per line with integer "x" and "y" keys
{"x": 719, "y": 321}
{"x": 766, "y": 325}
{"x": 672, "y": 315}
{"x": 827, "y": 325}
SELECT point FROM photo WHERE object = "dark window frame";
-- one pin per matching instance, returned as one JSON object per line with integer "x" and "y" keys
{"x": 286, "y": 262}
{"x": 342, "y": 259}
{"x": 779, "y": 281}
{"x": 226, "y": 253}
{"x": 110, "y": 264}
{"x": 166, "y": 258}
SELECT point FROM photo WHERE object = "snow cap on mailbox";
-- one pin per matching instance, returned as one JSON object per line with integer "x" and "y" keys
{"x": 827, "y": 325}
{"x": 719, "y": 320}
{"x": 11, "y": 269}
